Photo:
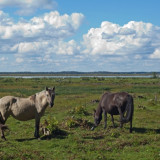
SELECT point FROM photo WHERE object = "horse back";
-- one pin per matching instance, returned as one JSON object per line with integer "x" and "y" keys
{"x": 33, "y": 98}
{"x": 111, "y": 101}
{"x": 7, "y": 101}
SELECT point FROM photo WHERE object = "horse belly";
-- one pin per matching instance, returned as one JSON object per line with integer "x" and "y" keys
{"x": 114, "y": 111}
{"x": 23, "y": 113}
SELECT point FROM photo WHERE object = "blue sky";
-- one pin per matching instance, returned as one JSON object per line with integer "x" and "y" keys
{"x": 73, "y": 35}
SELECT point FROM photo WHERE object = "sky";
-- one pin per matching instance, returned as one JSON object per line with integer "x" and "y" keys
{"x": 79, "y": 35}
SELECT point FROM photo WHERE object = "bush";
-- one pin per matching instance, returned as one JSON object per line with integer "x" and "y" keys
{"x": 49, "y": 126}
{"x": 79, "y": 110}
{"x": 71, "y": 122}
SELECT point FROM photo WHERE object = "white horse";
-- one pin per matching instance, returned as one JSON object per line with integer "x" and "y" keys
{"x": 24, "y": 109}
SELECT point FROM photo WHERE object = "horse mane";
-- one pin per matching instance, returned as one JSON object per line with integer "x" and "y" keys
{"x": 33, "y": 97}
{"x": 41, "y": 92}
{"x": 107, "y": 92}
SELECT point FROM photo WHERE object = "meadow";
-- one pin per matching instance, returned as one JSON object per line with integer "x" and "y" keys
{"x": 71, "y": 119}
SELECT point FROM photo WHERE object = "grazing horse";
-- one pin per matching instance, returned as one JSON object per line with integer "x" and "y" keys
{"x": 120, "y": 103}
{"x": 24, "y": 109}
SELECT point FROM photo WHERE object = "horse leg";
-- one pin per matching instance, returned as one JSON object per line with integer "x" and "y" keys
{"x": 121, "y": 117}
{"x": 105, "y": 119}
{"x": 37, "y": 121}
{"x": 112, "y": 119}
{"x": 2, "y": 122}
{"x": 2, "y": 132}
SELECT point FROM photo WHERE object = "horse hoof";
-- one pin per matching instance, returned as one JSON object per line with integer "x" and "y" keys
{"x": 3, "y": 138}
{"x": 36, "y": 136}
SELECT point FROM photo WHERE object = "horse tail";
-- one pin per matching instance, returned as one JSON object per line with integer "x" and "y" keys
{"x": 129, "y": 109}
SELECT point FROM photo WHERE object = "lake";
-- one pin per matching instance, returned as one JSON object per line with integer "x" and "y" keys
{"x": 116, "y": 76}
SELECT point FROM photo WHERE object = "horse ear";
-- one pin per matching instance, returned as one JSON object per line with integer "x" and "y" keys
{"x": 46, "y": 88}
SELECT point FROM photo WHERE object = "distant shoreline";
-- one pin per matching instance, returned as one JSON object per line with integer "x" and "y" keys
{"x": 74, "y": 73}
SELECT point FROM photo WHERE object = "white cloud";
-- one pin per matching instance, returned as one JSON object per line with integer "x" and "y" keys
{"x": 47, "y": 40}
{"x": 4, "y": 19}
{"x": 3, "y": 59}
{"x": 59, "y": 47}
{"x": 19, "y": 60}
{"x": 51, "y": 25}
{"x": 28, "y": 47}
{"x": 68, "y": 48}
{"x": 132, "y": 38}
{"x": 39, "y": 40}
{"x": 27, "y": 7}
{"x": 155, "y": 54}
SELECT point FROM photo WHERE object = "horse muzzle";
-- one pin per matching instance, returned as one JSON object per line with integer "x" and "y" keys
{"x": 51, "y": 105}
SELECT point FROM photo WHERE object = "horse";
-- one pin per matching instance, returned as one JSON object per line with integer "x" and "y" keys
{"x": 24, "y": 109}
{"x": 120, "y": 103}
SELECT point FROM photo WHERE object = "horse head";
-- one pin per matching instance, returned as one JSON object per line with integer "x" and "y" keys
{"x": 97, "y": 119}
{"x": 50, "y": 93}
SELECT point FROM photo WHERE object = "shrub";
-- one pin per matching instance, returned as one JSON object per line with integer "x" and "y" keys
{"x": 79, "y": 110}
{"x": 53, "y": 124}
{"x": 71, "y": 122}
{"x": 49, "y": 126}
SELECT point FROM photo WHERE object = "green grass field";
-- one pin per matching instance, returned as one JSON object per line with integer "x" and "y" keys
{"x": 74, "y": 104}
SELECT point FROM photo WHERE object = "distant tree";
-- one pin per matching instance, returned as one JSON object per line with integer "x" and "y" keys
{"x": 155, "y": 75}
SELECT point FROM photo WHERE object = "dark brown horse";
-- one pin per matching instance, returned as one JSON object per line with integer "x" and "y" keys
{"x": 120, "y": 103}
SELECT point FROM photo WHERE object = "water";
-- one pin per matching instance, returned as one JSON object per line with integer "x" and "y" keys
{"x": 81, "y": 76}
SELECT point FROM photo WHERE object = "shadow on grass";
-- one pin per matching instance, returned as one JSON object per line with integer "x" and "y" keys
{"x": 146, "y": 130}
{"x": 25, "y": 139}
{"x": 94, "y": 137}
{"x": 60, "y": 134}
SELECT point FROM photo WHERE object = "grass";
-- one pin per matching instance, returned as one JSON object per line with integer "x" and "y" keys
{"x": 74, "y": 104}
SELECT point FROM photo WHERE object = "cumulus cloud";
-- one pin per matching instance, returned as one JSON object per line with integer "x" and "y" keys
{"x": 40, "y": 34}
{"x": 47, "y": 40}
{"x": 27, "y": 7}
{"x": 134, "y": 38}
{"x": 69, "y": 48}
{"x": 50, "y": 25}
{"x": 155, "y": 54}
{"x": 34, "y": 49}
